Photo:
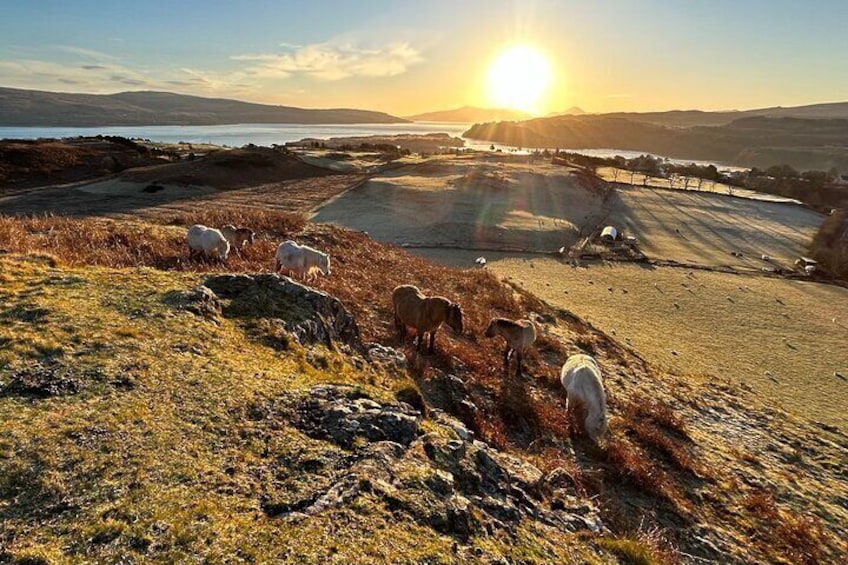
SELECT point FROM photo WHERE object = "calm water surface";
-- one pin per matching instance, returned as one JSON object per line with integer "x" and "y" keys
{"x": 236, "y": 135}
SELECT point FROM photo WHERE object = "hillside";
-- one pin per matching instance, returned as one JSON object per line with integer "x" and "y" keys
{"x": 37, "y": 108}
{"x": 755, "y": 141}
{"x": 689, "y": 118}
{"x": 146, "y": 418}
{"x": 28, "y": 163}
{"x": 471, "y": 115}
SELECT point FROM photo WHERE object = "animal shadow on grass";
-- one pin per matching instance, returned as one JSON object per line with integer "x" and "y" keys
{"x": 518, "y": 412}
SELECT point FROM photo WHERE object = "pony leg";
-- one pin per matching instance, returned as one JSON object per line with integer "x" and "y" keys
{"x": 518, "y": 368}
{"x": 569, "y": 416}
{"x": 432, "y": 342}
{"x": 401, "y": 331}
{"x": 506, "y": 360}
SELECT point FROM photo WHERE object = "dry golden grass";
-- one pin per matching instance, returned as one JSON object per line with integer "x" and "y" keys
{"x": 113, "y": 243}
{"x": 784, "y": 534}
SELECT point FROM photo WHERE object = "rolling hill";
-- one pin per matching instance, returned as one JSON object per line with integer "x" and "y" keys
{"x": 746, "y": 140}
{"x": 38, "y": 108}
{"x": 470, "y": 115}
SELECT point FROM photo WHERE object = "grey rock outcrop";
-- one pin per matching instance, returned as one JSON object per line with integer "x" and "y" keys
{"x": 455, "y": 484}
{"x": 310, "y": 315}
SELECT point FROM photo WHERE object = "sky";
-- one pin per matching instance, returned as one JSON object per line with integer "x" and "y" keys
{"x": 409, "y": 57}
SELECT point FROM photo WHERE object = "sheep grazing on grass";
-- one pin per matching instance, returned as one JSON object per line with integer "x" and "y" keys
{"x": 207, "y": 242}
{"x": 238, "y": 237}
{"x": 424, "y": 314}
{"x": 301, "y": 261}
{"x": 519, "y": 336}
{"x": 581, "y": 378}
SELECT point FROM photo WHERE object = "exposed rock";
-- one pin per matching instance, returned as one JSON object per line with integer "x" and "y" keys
{"x": 45, "y": 380}
{"x": 412, "y": 396}
{"x": 458, "y": 487}
{"x": 384, "y": 354}
{"x": 310, "y": 315}
{"x": 451, "y": 393}
{"x": 342, "y": 414}
{"x": 202, "y": 301}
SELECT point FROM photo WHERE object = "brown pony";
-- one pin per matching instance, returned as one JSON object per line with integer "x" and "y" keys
{"x": 424, "y": 314}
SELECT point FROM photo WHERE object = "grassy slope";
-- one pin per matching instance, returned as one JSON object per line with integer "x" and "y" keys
{"x": 159, "y": 456}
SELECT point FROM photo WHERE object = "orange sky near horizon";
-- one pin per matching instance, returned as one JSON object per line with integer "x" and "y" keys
{"x": 409, "y": 58}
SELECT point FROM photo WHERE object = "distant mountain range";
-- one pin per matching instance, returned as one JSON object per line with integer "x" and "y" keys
{"x": 37, "y": 108}
{"x": 471, "y": 115}
{"x": 573, "y": 111}
{"x": 805, "y": 137}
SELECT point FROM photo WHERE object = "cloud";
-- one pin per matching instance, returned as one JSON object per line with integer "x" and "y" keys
{"x": 244, "y": 76}
{"x": 85, "y": 52}
{"x": 333, "y": 62}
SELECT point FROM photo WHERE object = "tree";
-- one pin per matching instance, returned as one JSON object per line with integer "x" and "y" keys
{"x": 782, "y": 172}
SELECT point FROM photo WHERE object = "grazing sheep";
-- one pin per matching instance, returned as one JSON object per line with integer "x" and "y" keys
{"x": 423, "y": 313}
{"x": 581, "y": 378}
{"x": 238, "y": 237}
{"x": 207, "y": 242}
{"x": 519, "y": 336}
{"x": 301, "y": 261}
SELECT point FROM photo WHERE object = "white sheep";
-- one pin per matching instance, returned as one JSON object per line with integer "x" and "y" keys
{"x": 207, "y": 242}
{"x": 300, "y": 260}
{"x": 581, "y": 378}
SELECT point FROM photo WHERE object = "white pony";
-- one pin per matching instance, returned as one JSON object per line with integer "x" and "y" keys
{"x": 301, "y": 260}
{"x": 581, "y": 378}
{"x": 208, "y": 242}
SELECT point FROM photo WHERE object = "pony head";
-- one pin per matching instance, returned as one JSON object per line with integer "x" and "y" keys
{"x": 453, "y": 317}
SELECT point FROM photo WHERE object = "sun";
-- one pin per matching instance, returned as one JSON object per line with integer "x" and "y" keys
{"x": 518, "y": 78}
